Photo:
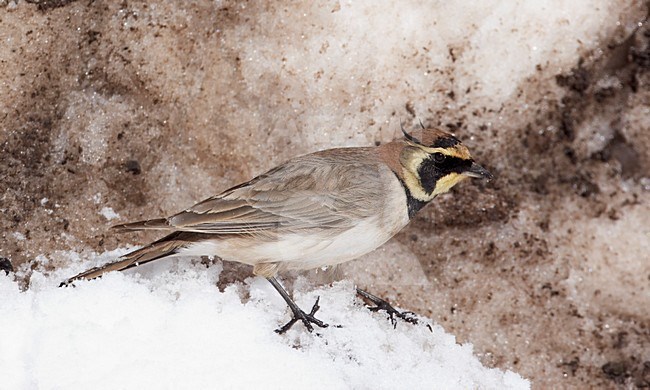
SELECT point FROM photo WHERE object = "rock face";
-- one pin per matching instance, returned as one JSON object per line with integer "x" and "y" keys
{"x": 114, "y": 109}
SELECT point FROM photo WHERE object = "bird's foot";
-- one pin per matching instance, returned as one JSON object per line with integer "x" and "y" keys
{"x": 306, "y": 318}
{"x": 382, "y": 304}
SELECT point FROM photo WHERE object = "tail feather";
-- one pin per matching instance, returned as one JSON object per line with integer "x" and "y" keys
{"x": 164, "y": 247}
{"x": 150, "y": 224}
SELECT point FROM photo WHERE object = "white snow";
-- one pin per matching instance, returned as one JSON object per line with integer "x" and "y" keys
{"x": 167, "y": 326}
{"x": 109, "y": 213}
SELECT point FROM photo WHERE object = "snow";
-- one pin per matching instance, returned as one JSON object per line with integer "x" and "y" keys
{"x": 167, "y": 326}
{"x": 109, "y": 213}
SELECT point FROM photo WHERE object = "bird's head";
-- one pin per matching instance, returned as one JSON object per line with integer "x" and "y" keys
{"x": 433, "y": 162}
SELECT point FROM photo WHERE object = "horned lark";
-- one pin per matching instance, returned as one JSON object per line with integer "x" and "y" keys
{"x": 316, "y": 210}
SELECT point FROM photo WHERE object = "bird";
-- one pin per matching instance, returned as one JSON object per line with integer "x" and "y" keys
{"x": 313, "y": 211}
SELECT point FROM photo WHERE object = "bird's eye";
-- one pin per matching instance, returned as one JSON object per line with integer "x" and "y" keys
{"x": 438, "y": 157}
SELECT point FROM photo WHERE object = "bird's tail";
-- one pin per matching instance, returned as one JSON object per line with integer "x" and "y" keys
{"x": 166, "y": 246}
{"x": 150, "y": 224}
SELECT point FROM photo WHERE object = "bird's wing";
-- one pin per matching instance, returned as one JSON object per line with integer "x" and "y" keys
{"x": 311, "y": 192}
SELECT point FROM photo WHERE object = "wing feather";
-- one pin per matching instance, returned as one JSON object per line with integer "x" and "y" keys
{"x": 316, "y": 191}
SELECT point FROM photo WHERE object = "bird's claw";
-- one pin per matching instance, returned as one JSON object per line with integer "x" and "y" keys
{"x": 382, "y": 304}
{"x": 306, "y": 318}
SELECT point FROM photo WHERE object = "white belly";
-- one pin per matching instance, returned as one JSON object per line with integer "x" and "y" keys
{"x": 298, "y": 251}
{"x": 315, "y": 248}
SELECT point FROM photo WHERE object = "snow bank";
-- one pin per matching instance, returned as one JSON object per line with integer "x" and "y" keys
{"x": 167, "y": 326}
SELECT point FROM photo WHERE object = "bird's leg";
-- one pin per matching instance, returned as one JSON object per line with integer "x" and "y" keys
{"x": 381, "y": 304}
{"x": 306, "y": 318}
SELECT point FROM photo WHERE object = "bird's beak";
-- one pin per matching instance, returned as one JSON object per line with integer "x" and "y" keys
{"x": 478, "y": 172}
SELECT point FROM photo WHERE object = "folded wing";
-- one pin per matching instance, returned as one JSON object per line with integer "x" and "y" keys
{"x": 310, "y": 192}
